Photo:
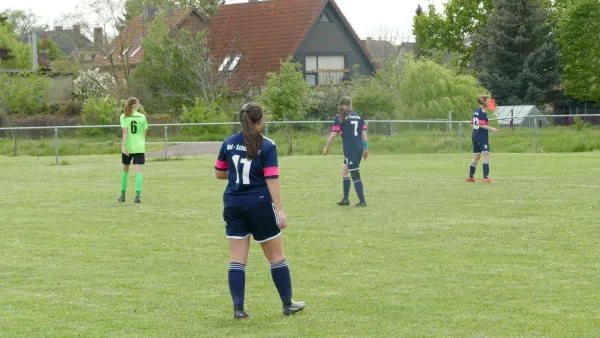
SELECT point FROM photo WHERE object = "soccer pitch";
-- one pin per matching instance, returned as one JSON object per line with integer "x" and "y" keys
{"x": 430, "y": 256}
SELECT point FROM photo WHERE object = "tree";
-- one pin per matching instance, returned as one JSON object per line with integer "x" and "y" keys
{"x": 428, "y": 90}
{"x": 516, "y": 58}
{"x": 579, "y": 44}
{"x": 13, "y": 53}
{"x": 451, "y": 32}
{"x": 22, "y": 22}
{"x": 286, "y": 96}
{"x": 177, "y": 69}
{"x": 135, "y": 7}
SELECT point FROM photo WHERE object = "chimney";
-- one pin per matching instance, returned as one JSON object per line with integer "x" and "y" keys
{"x": 98, "y": 36}
{"x": 150, "y": 13}
{"x": 44, "y": 56}
{"x": 77, "y": 28}
{"x": 58, "y": 28}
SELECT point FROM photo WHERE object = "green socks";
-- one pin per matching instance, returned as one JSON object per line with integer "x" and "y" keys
{"x": 124, "y": 182}
{"x": 138, "y": 183}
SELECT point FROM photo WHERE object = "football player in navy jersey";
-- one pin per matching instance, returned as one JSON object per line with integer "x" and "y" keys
{"x": 252, "y": 206}
{"x": 481, "y": 145}
{"x": 353, "y": 129}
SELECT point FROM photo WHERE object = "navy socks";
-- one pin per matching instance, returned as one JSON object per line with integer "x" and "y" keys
{"x": 237, "y": 284}
{"x": 283, "y": 281}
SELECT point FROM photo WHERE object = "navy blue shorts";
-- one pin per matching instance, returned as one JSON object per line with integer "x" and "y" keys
{"x": 353, "y": 161}
{"x": 256, "y": 219}
{"x": 480, "y": 146}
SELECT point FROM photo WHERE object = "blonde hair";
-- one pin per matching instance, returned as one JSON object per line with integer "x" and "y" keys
{"x": 483, "y": 99}
{"x": 131, "y": 102}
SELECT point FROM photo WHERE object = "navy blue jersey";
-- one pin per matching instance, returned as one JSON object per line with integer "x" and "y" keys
{"x": 479, "y": 119}
{"x": 247, "y": 178}
{"x": 351, "y": 132}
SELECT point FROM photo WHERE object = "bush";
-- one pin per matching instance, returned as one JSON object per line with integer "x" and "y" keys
{"x": 102, "y": 111}
{"x": 22, "y": 93}
{"x": 580, "y": 124}
{"x": 69, "y": 108}
{"x": 38, "y": 121}
{"x": 203, "y": 112}
{"x": 93, "y": 84}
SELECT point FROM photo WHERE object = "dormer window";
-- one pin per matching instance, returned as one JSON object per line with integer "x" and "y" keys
{"x": 230, "y": 63}
{"x": 135, "y": 51}
{"x": 225, "y": 63}
{"x": 325, "y": 18}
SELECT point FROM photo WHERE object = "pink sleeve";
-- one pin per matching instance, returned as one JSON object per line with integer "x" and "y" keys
{"x": 221, "y": 165}
{"x": 336, "y": 128}
{"x": 271, "y": 171}
{"x": 364, "y": 126}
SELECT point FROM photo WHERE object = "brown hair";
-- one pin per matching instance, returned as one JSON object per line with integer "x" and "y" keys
{"x": 250, "y": 114}
{"x": 483, "y": 99}
{"x": 344, "y": 108}
{"x": 131, "y": 102}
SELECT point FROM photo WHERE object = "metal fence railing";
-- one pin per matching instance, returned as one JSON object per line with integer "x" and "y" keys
{"x": 376, "y": 127}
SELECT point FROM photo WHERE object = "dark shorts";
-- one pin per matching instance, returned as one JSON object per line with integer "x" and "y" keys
{"x": 137, "y": 159}
{"x": 256, "y": 219}
{"x": 480, "y": 146}
{"x": 353, "y": 161}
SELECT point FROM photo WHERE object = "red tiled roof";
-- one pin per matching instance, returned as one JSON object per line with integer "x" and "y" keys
{"x": 133, "y": 34}
{"x": 264, "y": 33}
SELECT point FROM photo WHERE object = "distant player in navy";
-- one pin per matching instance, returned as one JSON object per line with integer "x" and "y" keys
{"x": 481, "y": 145}
{"x": 252, "y": 206}
{"x": 353, "y": 129}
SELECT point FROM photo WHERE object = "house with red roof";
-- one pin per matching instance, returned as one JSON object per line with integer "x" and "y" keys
{"x": 125, "y": 52}
{"x": 250, "y": 39}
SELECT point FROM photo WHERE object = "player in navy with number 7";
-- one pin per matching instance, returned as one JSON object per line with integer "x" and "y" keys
{"x": 252, "y": 206}
{"x": 480, "y": 138}
{"x": 353, "y": 129}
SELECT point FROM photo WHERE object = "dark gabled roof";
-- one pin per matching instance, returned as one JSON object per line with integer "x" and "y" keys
{"x": 381, "y": 49}
{"x": 133, "y": 34}
{"x": 264, "y": 33}
{"x": 67, "y": 40}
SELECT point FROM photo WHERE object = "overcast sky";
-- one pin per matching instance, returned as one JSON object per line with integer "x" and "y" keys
{"x": 367, "y": 17}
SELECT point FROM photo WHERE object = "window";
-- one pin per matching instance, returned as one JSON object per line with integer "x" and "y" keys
{"x": 330, "y": 69}
{"x": 225, "y": 63}
{"x": 135, "y": 51}
{"x": 234, "y": 63}
{"x": 325, "y": 18}
{"x": 311, "y": 78}
{"x": 124, "y": 52}
{"x": 109, "y": 53}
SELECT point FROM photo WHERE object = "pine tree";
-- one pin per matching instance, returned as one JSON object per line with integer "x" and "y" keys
{"x": 516, "y": 58}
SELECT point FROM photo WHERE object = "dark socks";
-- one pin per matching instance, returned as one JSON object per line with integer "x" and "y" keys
{"x": 472, "y": 170}
{"x": 347, "y": 182}
{"x": 486, "y": 170}
{"x": 283, "y": 281}
{"x": 358, "y": 186}
{"x": 237, "y": 284}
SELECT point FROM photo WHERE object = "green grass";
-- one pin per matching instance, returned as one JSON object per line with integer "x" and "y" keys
{"x": 521, "y": 140}
{"x": 430, "y": 256}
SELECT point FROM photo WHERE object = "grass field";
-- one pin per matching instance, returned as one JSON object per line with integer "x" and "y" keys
{"x": 430, "y": 256}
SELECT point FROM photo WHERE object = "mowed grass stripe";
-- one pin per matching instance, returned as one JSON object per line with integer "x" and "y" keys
{"x": 430, "y": 256}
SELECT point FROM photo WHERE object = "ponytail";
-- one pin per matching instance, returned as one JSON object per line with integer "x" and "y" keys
{"x": 250, "y": 115}
{"x": 131, "y": 102}
{"x": 344, "y": 108}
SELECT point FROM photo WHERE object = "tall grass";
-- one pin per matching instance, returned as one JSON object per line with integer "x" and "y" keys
{"x": 550, "y": 140}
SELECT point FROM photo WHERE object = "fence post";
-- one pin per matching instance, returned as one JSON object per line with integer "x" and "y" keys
{"x": 391, "y": 129}
{"x": 166, "y": 143}
{"x": 411, "y": 126}
{"x": 450, "y": 120}
{"x": 427, "y": 125}
{"x": 535, "y": 134}
{"x": 460, "y": 138}
{"x": 15, "y": 142}
{"x": 56, "y": 144}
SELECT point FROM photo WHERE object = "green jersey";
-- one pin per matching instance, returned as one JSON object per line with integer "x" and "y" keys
{"x": 136, "y": 125}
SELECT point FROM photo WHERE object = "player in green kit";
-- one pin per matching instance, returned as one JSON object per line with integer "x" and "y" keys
{"x": 134, "y": 126}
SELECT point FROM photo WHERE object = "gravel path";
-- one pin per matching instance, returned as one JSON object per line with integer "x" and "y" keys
{"x": 189, "y": 149}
